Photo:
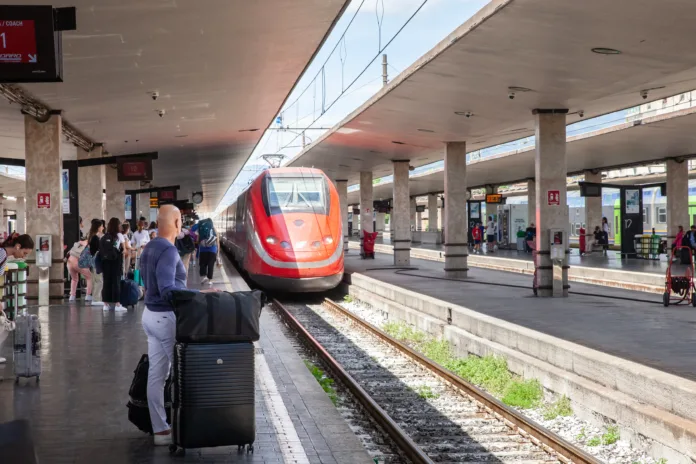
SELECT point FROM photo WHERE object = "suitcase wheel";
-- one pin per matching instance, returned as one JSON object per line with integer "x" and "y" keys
{"x": 176, "y": 451}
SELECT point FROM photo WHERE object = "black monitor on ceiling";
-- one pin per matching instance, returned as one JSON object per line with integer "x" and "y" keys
{"x": 589, "y": 189}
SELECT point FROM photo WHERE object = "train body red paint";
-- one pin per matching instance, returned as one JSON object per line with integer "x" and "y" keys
{"x": 285, "y": 231}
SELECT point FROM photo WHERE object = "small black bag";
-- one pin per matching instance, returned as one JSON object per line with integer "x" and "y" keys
{"x": 217, "y": 317}
{"x": 138, "y": 410}
{"x": 185, "y": 245}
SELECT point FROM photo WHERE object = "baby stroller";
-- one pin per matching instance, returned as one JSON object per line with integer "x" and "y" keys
{"x": 368, "y": 245}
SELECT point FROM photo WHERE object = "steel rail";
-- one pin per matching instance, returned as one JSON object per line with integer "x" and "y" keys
{"x": 549, "y": 441}
{"x": 402, "y": 440}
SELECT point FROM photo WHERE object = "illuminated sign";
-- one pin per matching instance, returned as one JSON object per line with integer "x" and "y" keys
{"x": 166, "y": 196}
{"x": 494, "y": 198}
{"x": 30, "y": 42}
{"x": 154, "y": 203}
{"x": 130, "y": 169}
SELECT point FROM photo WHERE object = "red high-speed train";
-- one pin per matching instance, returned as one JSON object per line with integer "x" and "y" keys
{"x": 285, "y": 231}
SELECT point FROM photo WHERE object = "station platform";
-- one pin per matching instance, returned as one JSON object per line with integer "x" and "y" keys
{"x": 628, "y": 324}
{"x": 78, "y": 410}
{"x": 596, "y": 268}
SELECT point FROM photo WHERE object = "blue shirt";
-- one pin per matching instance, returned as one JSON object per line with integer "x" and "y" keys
{"x": 201, "y": 248}
{"x": 162, "y": 271}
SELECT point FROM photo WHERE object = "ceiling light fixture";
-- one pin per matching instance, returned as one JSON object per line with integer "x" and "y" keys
{"x": 248, "y": 130}
{"x": 180, "y": 136}
{"x": 425, "y": 130}
{"x": 605, "y": 51}
{"x": 396, "y": 142}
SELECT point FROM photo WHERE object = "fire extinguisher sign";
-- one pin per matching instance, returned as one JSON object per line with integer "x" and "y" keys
{"x": 43, "y": 200}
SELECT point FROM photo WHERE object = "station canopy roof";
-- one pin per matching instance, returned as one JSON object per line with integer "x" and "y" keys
{"x": 652, "y": 140}
{"x": 545, "y": 52}
{"x": 222, "y": 69}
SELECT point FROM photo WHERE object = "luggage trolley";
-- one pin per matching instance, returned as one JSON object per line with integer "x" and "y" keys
{"x": 679, "y": 288}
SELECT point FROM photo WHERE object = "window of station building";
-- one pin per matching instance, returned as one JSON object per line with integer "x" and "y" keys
{"x": 661, "y": 213}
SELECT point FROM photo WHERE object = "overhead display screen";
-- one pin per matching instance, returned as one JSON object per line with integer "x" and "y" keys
{"x": 134, "y": 169}
{"x": 494, "y": 198}
{"x": 30, "y": 43}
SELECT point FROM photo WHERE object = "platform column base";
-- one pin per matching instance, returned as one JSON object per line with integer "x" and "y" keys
{"x": 402, "y": 255}
{"x": 456, "y": 260}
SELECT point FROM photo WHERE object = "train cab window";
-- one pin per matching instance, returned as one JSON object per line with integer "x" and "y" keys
{"x": 662, "y": 215}
{"x": 306, "y": 194}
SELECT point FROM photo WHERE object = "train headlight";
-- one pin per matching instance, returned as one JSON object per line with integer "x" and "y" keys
{"x": 328, "y": 240}
{"x": 284, "y": 245}
{"x": 271, "y": 240}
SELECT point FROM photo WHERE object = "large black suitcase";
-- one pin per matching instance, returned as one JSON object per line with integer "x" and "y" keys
{"x": 213, "y": 396}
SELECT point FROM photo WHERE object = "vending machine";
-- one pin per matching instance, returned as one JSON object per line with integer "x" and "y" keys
{"x": 511, "y": 219}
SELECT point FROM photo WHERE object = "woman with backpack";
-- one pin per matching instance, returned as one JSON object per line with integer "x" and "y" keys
{"x": 208, "y": 246}
{"x": 75, "y": 270}
{"x": 111, "y": 256}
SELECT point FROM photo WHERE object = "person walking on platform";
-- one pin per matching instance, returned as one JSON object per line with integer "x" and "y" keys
{"x": 476, "y": 235}
{"x": 111, "y": 255}
{"x": 605, "y": 233}
{"x": 162, "y": 272}
{"x": 125, "y": 244}
{"x": 96, "y": 230}
{"x": 208, "y": 246}
{"x": 490, "y": 235}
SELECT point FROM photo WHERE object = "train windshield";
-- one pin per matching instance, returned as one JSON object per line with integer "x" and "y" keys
{"x": 305, "y": 194}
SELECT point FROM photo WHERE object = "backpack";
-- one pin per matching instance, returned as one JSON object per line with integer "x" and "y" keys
{"x": 85, "y": 261}
{"x": 138, "y": 412}
{"x": 107, "y": 248}
{"x": 185, "y": 245}
{"x": 206, "y": 233}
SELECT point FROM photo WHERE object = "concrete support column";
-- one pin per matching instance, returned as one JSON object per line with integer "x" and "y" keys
{"x": 90, "y": 183}
{"x": 342, "y": 187}
{"x": 144, "y": 206}
{"x": 677, "y": 197}
{"x": 419, "y": 221}
{"x": 43, "y": 176}
{"x": 552, "y": 204}
{"x": 413, "y": 213}
{"x": 21, "y": 215}
{"x": 593, "y": 209}
{"x": 400, "y": 215}
{"x": 3, "y": 220}
{"x": 456, "y": 227}
{"x": 531, "y": 201}
{"x": 432, "y": 212}
{"x": 115, "y": 195}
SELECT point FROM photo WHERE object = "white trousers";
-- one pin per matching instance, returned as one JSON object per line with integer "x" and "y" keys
{"x": 160, "y": 328}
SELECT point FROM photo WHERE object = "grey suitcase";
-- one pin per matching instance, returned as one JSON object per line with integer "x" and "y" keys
{"x": 27, "y": 346}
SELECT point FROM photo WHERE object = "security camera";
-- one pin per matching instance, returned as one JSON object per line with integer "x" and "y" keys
{"x": 161, "y": 113}
{"x": 511, "y": 95}
{"x": 155, "y": 95}
{"x": 581, "y": 113}
{"x": 644, "y": 94}
{"x": 469, "y": 114}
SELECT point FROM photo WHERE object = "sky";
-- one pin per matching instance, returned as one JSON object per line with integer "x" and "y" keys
{"x": 341, "y": 78}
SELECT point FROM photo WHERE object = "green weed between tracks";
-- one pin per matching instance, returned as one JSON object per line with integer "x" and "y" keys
{"x": 325, "y": 382}
{"x": 490, "y": 372}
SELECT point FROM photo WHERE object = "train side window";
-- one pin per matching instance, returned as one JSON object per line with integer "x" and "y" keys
{"x": 646, "y": 219}
{"x": 661, "y": 215}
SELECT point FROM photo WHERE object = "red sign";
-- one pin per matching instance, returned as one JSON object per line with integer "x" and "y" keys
{"x": 166, "y": 195}
{"x": 17, "y": 41}
{"x": 554, "y": 197}
{"x": 134, "y": 169}
{"x": 43, "y": 200}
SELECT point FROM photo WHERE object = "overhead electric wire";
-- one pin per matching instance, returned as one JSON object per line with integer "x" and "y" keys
{"x": 365, "y": 68}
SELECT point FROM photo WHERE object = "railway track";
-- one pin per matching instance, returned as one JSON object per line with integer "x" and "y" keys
{"x": 431, "y": 414}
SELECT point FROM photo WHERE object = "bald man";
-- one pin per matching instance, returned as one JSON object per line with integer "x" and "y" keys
{"x": 162, "y": 272}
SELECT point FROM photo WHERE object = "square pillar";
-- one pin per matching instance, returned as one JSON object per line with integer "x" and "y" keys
{"x": 593, "y": 209}
{"x": 90, "y": 184}
{"x": 44, "y": 175}
{"x": 366, "y": 204}
{"x": 432, "y": 212}
{"x": 491, "y": 208}
{"x": 144, "y": 206}
{"x": 115, "y": 195}
{"x": 21, "y": 215}
{"x": 342, "y": 188}
{"x": 400, "y": 214}
{"x": 677, "y": 197}
{"x": 413, "y": 213}
{"x": 552, "y": 210}
{"x": 531, "y": 201}
{"x": 456, "y": 227}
